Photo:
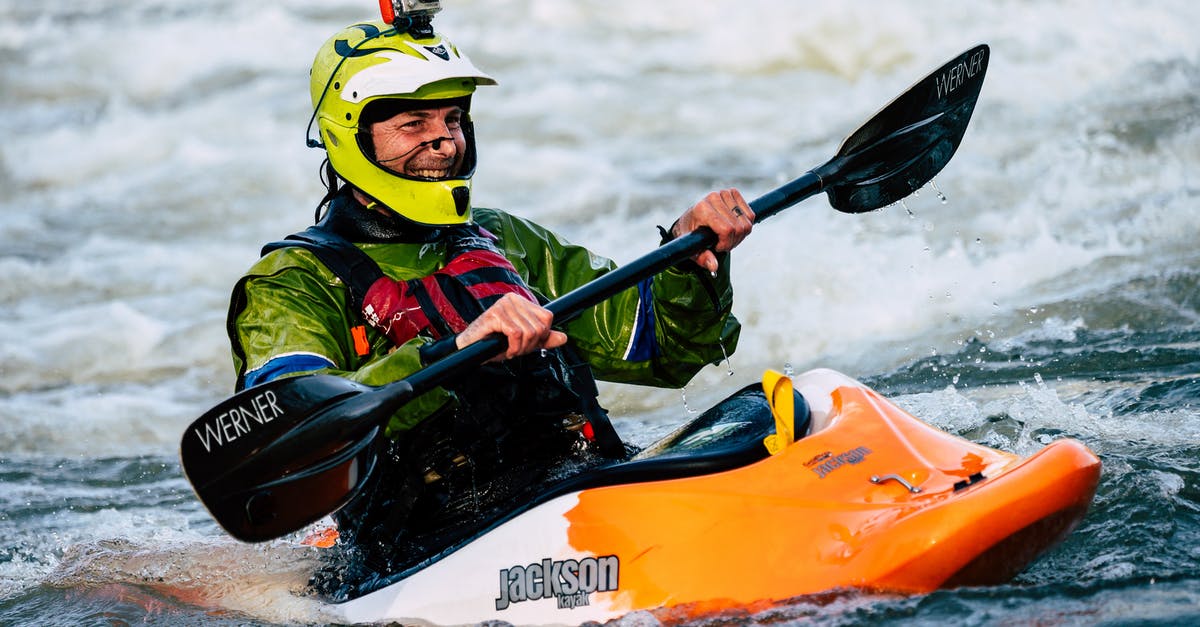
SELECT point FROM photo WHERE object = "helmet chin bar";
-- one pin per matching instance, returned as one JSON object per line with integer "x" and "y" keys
{"x": 413, "y": 16}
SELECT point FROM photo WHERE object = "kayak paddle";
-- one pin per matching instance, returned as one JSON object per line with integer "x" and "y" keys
{"x": 275, "y": 457}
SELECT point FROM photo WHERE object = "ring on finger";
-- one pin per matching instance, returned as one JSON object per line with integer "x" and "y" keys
{"x": 737, "y": 211}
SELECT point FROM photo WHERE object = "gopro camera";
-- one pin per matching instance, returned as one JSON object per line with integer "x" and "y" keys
{"x": 414, "y": 16}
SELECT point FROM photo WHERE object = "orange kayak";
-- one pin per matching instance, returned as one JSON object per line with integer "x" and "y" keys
{"x": 805, "y": 485}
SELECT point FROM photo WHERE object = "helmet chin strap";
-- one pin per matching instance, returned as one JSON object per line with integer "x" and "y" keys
{"x": 435, "y": 143}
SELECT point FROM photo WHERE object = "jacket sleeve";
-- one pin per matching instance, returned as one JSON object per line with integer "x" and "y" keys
{"x": 289, "y": 316}
{"x": 660, "y": 332}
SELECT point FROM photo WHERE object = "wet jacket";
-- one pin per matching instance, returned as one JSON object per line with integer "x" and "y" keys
{"x": 291, "y": 315}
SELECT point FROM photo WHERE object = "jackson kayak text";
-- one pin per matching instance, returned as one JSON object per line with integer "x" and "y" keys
{"x": 569, "y": 581}
{"x": 826, "y": 462}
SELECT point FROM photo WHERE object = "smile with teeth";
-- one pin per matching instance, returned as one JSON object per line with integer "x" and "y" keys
{"x": 430, "y": 169}
{"x": 428, "y": 173}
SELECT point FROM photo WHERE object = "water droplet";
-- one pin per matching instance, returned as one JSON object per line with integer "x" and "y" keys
{"x": 911, "y": 215}
{"x": 940, "y": 195}
{"x": 954, "y": 380}
{"x": 728, "y": 364}
{"x": 686, "y": 408}
{"x": 788, "y": 370}
{"x": 978, "y": 240}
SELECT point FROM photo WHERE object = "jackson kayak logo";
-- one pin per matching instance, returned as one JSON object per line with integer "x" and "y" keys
{"x": 572, "y": 582}
{"x": 231, "y": 425}
{"x": 827, "y": 462}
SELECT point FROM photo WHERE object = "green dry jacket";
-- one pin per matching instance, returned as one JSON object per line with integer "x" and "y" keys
{"x": 290, "y": 315}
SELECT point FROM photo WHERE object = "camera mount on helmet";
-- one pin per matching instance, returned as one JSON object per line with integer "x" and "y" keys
{"x": 412, "y": 16}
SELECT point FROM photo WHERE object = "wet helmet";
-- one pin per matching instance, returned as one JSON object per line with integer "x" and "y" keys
{"x": 370, "y": 66}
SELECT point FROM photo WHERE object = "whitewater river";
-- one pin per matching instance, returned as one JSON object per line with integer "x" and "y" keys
{"x": 149, "y": 147}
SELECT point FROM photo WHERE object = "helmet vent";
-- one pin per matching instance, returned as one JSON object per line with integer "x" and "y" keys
{"x": 462, "y": 199}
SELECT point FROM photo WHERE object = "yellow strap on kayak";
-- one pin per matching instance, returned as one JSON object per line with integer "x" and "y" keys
{"x": 778, "y": 389}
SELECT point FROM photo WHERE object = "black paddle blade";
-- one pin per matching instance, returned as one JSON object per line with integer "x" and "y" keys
{"x": 259, "y": 509}
{"x": 909, "y": 141}
{"x": 280, "y": 455}
{"x": 241, "y": 426}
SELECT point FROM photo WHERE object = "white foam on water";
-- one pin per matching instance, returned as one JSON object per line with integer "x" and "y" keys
{"x": 1041, "y": 416}
{"x": 264, "y": 581}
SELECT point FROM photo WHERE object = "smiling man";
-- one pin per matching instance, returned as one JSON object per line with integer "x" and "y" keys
{"x": 402, "y": 268}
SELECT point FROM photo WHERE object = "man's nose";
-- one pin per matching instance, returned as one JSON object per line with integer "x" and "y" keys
{"x": 442, "y": 140}
{"x": 436, "y": 144}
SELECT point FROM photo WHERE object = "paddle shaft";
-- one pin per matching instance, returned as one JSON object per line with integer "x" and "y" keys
{"x": 572, "y": 304}
{"x": 385, "y": 400}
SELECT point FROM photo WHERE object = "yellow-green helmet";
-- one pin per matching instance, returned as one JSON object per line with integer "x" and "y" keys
{"x": 369, "y": 62}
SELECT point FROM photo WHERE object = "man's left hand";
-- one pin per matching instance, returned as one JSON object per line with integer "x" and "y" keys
{"x": 727, "y": 214}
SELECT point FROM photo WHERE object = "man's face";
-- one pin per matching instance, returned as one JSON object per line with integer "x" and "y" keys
{"x": 406, "y": 143}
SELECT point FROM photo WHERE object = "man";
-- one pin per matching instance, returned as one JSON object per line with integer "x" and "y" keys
{"x": 392, "y": 112}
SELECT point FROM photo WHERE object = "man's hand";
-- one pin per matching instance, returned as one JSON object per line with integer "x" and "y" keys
{"x": 525, "y": 324}
{"x": 727, "y": 214}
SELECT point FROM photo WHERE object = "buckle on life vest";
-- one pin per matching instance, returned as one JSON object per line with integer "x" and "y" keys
{"x": 431, "y": 474}
{"x": 362, "y": 347}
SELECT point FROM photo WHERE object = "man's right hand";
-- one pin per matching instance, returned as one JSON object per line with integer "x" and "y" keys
{"x": 524, "y": 323}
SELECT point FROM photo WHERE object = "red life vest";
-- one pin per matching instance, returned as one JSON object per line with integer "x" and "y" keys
{"x": 445, "y": 302}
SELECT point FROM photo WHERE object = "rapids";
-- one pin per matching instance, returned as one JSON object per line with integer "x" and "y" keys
{"x": 1047, "y": 285}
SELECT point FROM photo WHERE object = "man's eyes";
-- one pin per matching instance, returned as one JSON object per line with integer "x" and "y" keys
{"x": 412, "y": 125}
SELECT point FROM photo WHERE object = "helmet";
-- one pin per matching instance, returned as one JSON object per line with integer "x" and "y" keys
{"x": 371, "y": 62}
